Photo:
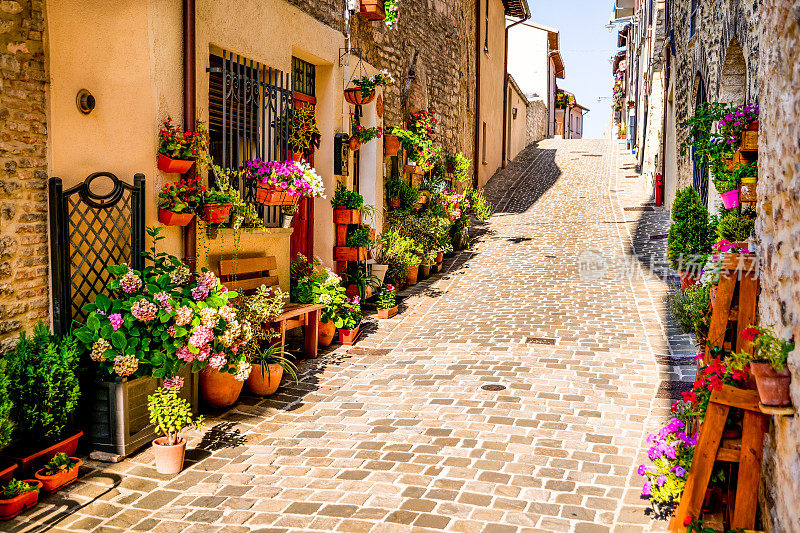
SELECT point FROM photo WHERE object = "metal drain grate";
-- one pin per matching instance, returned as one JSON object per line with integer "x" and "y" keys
{"x": 493, "y": 387}
{"x": 540, "y": 340}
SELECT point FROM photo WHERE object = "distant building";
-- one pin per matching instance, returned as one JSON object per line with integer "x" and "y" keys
{"x": 568, "y": 116}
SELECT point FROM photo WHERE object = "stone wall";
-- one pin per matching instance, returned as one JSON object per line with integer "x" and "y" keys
{"x": 23, "y": 157}
{"x": 442, "y": 37}
{"x": 537, "y": 120}
{"x": 722, "y": 26}
{"x": 778, "y": 235}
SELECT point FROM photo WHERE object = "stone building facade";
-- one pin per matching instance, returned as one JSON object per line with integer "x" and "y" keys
{"x": 23, "y": 156}
{"x": 712, "y": 55}
{"x": 778, "y": 235}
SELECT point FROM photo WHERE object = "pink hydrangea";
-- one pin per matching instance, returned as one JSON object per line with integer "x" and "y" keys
{"x": 184, "y": 354}
{"x": 205, "y": 351}
{"x": 217, "y": 360}
{"x": 130, "y": 282}
{"x": 116, "y": 321}
{"x": 144, "y": 310}
{"x": 171, "y": 331}
{"x": 173, "y": 383}
{"x": 183, "y": 315}
{"x": 201, "y": 336}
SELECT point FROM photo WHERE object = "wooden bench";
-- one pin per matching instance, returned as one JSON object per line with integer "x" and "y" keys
{"x": 247, "y": 275}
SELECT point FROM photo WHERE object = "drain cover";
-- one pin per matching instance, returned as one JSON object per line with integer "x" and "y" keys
{"x": 493, "y": 387}
{"x": 540, "y": 340}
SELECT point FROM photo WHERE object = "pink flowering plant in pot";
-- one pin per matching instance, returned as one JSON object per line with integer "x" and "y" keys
{"x": 153, "y": 322}
{"x": 671, "y": 451}
{"x": 293, "y": 179}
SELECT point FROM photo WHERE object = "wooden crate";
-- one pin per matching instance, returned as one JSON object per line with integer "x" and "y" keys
{"x": 350, "y": 253}
{"x": 749, "y": 141}
{"x": 346, "y": 216}
{"x": 372, "y": 9}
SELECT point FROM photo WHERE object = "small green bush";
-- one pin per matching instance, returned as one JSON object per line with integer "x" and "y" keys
{"x": 735, "y": 227}
{"x": 690, "y": 235}
{"x": 16, "y": 487}
{"x": 43, "y": 373}
{"x": 358, "y": 237}
{"x": 343, "y": 197}
{"x": 691, "y": 309}
{"x": 6, "y": 406}
{"x": 170, "y": 414}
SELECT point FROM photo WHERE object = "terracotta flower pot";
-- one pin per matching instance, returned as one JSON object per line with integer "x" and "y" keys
{"x": 394, "y": 202}
{"x": 174, "y": 166}
{"x": 353, "y": 96}
{"x": 51, "y": 484}
{"x": 425, "y": 271}
{"x": 354, "y": 143}
{"x": 391, "y": 145}
{"x": 269, "y": 195}
{"x": 439, "y": 257}
{"x": 14, "y": 506}
{"x": 219, "y": 389}
{"x": 348, "y": 337}
{"x": 216, "y": 213}
{"x": 411, "y": 276}
{"x": 7, "y": 470}
{"x": 30, "y": 462}
{"x": 266, "y": 382}
{"x": 387, "y": 313}
{"x": 326, "y": 332}
{"x": 297, "y": 156}
{"x": 773, "y": 385}
{"x": 170, "y": 218}
{"x": 372, "y": 10}
{"x": 169, "y": 459}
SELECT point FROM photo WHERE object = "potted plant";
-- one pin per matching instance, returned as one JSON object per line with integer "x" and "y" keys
{"x": 767, "y": 363}
{"x": 44, "y": 391}
{"x": 363, "y": 134}
{"x": 390, "y": 8}
{"x": 269, "y": 364}
{"x": 18, "y": 496}
{"x": 348, "y": 321}
{"x": 735, "y": 227}
{"x": 691, "y": 309}
{"x": 417, "y": 140}
{"x": 359, "y": 283}
{"x": 391, "y": 145}
{"x": 283, "y": 182}
{"x": 357, "y": 243}
{"x": 347, "y": 205}
{"x": 304, "y": 135}
{"x": 399, "y": 252}
{"x": 394, "y": 188}
{"x": 387, "y": 301}
{"x": 241, "y": 213}
{"x": 177, "y": 149}
{"x": 59, "y": 472}
{"x": 179, "y": 201}
{"x": 364, "y": 90}
{"x": 7, "y": 465}
{"x": 412, "y": 273}
{"x": 170, "y": 415}
{"x": 313, "y": 284}
{"x": 215, "y": 206}
{"x": 690, "y": 235}
{"x": 288, "y": 212}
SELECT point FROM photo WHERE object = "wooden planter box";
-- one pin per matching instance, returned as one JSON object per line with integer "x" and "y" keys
{"x": 750, "y": 140}
{"x": 349, "y": 253}
{"x": 120, "y": 421}
{"x": 372, "y": 9}
{"x": 346, "y": 216}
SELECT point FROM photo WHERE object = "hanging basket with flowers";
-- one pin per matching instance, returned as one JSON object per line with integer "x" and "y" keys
{"x": 283, "y": 182}
{"x": 364, "y": 90}
{"x": 178, "y": 149}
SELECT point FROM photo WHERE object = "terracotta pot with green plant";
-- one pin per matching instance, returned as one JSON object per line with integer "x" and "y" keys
{"x": 59, "y": 472}
{"x": 215, "y": 206}
{"x": 179, "y": 201}
{"x": 348, "y": 321}
{"x": 18, "y": 496}
{"x": 767, "y": 363}
{"x": 269, "y": 365}
{"x": 346, "y": 205}
{"x": 312, "y": 283}
{"x": 170, "y": 415}
{"x": 394, "y": 188}
{"x": 178, "y": 149}
{"x": 690, "y": 235}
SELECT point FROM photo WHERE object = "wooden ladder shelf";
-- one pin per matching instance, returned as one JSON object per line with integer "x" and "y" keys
{"x": 711, "y": 448}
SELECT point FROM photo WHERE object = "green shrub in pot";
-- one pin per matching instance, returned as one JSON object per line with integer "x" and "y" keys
{"x": 690, "y": 235}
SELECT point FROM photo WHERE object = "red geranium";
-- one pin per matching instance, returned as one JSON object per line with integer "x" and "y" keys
{"x": 750, "y": 334}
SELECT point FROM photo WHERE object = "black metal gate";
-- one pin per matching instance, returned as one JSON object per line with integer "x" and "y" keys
{"x": 92, "y": 225}
{"x": 250, "y": 110}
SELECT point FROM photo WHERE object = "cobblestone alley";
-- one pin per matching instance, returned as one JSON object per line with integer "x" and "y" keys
{"x": 511, "y": 393}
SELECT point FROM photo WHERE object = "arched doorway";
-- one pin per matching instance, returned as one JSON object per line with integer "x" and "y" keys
{"x": 733, "y": 81}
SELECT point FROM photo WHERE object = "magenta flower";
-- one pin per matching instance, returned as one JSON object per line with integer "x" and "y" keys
{"x": 116, "y": 321}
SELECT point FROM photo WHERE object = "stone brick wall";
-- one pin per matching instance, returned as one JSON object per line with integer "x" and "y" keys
{"x": 537, "y": 120}
{"x": 441, "y": 34}
{"x": 23, "y": 183}
{"x": 778, "y": 235}
{"x": 722, "y": 26}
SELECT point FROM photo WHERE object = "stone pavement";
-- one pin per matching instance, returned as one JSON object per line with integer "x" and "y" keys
{"x": 512, "y": 393}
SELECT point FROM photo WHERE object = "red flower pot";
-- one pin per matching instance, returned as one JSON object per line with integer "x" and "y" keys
{"x": 174, "y": 166}
{"x": 391, "y": 144}
{"x": 354, "y": 143}
{"x": 265, "y": 382}
{"x": 7, "y": 471}
{"x": 411, "y": 276}
{"x": 326, "y": 332}
{"x": 219, "y": 389}
{"x": 216, "y": 213}
{"x": 346, "y": 216}
{"x": 394, "y": 202}
{"x": 170, "y": 218}
{"x": 14, "y": 506}
{"x": 773, "y": 385}
{"x": 439, "y": 257}
{"x": 387, "y": 313}
{"x": 269, "y": 195}
{"x": 348, "y": 337}
{"x": 30, "y": 462}
{"x": 353, "y": 96}
{"x": 51, "y": 484}
{"x": 297, "y": 156}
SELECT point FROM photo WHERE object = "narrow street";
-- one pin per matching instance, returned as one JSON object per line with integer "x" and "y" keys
{"x": 512, "y": 393}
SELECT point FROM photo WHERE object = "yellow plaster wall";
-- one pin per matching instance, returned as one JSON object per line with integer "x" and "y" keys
{"x": 517, "y": 128}
{"x": 492, "y": 74}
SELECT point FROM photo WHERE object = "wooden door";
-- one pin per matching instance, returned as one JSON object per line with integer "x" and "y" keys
{"x": 303, "y": 223}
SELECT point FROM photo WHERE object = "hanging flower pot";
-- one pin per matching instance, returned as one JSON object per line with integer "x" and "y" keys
{"x": 51, "y": 484}
{"x": 297, "y": 156}
{"x": 216, "y": 213}
{"x": 11, "y": 507}
{"x": 219, "y": 389}
{"x": 391, "y": 145}
{"x": 171, "y": 218}
{"x": 354, "y": 143}
{"x": 268, "y": 195}
{"x": 326, "y": 332}
{"x": 773, "y": 385}
{"x": 174, "y": 166}
{"x": 730, "y": 199}
{"x": 354, "y": 96}
{"x": 264, "y": 382}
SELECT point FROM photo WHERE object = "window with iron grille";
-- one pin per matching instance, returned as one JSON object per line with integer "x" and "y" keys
{"x": 305, "y": 75}
{"x": 693, "y": 18}
{"x": 249, "y": 112}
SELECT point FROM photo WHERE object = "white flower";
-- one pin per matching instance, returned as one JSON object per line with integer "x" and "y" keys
{"x": 325, "y": 299}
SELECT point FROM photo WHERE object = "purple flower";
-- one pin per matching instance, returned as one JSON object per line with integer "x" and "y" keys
{"x": 679, "y": 471}
{"x": 116, "y": 321}
{"x": 646, "y": 488}
{"x": 660, "y": 480}
{"x": 642, "y": 470}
